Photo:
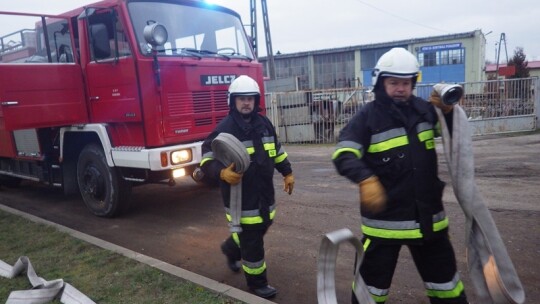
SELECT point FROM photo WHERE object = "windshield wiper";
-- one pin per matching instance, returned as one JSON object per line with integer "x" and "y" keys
{"x": 237, "y": 55}
{"x": 228, "y": 56}
{"x": 181, "y": 51}
{"x": 208, "y": 52}
{"x": 200, "y": 53}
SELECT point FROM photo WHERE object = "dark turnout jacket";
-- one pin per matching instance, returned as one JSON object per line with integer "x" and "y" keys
{"x": 266, "y": 154}
{"x": 395, "y": 142}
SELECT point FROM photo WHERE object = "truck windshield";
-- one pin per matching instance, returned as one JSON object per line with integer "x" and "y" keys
{"x": 193, "y": 31}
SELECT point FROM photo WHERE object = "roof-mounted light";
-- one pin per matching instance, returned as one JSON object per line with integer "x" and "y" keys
{"x": 155, "y": 34}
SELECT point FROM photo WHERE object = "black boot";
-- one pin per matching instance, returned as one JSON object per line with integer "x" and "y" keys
{"x": 265, "y": 292}
{"x": 232, "y": 263}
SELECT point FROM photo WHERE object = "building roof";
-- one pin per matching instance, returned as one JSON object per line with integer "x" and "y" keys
{"x": 376, "y": 45}
{"x": 530, "y": 64}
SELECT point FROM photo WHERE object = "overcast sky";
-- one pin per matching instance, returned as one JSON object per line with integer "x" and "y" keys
{"x": 304, "y": 25}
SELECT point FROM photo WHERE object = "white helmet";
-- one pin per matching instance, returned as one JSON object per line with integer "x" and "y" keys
{"x": 398, "y": 62}
{"x": 244, "y": 86}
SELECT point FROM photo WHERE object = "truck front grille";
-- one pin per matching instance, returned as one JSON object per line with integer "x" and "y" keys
{"x": 201, "y": 108}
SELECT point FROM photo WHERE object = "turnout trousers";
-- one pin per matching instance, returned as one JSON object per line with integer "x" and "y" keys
{"x": 434, "y": 259}
{"x": 248, "y": 246}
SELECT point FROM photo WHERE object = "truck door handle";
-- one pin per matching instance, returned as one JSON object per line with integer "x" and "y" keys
{"x": 94, "y": 98}
{"x": 10, "y": 103}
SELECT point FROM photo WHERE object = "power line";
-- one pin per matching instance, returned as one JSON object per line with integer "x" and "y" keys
{"x": 399, "y": 17}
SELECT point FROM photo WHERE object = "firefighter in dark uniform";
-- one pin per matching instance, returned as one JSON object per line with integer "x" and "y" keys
{"x": 388, "y": 149}
{"x": 258, "y": 135}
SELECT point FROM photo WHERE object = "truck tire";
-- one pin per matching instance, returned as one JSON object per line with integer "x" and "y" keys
{"x": 103, "y": 190}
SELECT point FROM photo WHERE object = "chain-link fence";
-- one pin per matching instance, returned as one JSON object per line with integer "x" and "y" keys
{"x": 317, "y": 116}
{"x": 495, "y": 98}
{"x": 313, "y": 116}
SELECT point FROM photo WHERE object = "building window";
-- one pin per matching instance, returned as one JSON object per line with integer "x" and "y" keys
{"x": 441, "y": 57}
{"x": 334, "y": 70}
{"x": 292, "y": 67}
{"x": 456, "y": 56}
{"x": 430, "y": 59}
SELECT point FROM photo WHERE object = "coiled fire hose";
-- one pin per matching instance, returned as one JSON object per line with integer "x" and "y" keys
{"x": 490, "y": 267}
{"x": 228, "y": 149}
{"x": 326, "y": 266}
{"x": 42, "y": 291}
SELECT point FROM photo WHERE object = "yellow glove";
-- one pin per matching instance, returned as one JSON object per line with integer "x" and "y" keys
{"x": 372, "y": 194}
{"x": 288, "y": 183}
{"x": 229, "y": 175}
{"x": 435, "y": 99}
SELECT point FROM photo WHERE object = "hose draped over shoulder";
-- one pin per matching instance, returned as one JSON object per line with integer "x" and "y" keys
{"x": 228, "y": 149}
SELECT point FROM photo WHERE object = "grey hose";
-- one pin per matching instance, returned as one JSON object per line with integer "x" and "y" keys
{"x": 326, "y": 265}
{"x": 228, "y": 149}
{"x": 491, "y": 269}
{"x": 42, "y": 291}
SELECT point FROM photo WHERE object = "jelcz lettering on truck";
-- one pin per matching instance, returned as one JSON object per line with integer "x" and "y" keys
{"x": 208, "y": 80}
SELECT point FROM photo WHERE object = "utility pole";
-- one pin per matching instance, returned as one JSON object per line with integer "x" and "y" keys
{"x": 267, "y": 36}
{"x": 253, "y": 16}
{"x": 503, "y": 38}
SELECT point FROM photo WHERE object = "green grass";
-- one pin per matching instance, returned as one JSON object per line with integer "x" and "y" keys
{"x": 103, "y": 276}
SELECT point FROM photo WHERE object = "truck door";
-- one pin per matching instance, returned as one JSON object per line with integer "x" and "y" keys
{"x": 110, "y": 70}
{"x": 41, "y": 84}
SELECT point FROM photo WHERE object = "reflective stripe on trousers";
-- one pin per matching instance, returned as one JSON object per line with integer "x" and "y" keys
{"x": 401, "y": 229}
{"x": 251, "y": 217}
{"x": 248, "y": 246}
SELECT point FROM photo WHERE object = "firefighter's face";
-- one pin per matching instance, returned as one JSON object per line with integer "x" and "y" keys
{"x": 399, "y": 89}
{"x": 245, "y": 104}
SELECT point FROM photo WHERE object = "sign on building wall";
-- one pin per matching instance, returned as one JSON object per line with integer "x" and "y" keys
{"x": 439, "y": 47}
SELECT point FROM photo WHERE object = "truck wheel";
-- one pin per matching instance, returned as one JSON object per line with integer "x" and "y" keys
{"x": 104, "y": 192}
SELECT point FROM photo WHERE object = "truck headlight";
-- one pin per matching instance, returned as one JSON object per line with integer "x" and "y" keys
{"x": 180, "y": 156}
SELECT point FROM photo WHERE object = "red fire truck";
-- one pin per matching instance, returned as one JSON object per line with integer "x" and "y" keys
{"x": 115, "y": 94}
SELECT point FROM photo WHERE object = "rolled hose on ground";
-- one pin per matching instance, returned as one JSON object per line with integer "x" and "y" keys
{"x": 42, "y": 291}
{"x": 490, "y": 267}
{"x": 228, "y": 149}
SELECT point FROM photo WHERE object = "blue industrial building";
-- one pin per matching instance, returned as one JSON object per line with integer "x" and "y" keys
{"x": 448, "y": 58}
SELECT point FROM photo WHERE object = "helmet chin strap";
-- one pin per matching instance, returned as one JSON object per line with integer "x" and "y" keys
{"x": 380, "y": 92}
{"x": 247, "y": 117}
